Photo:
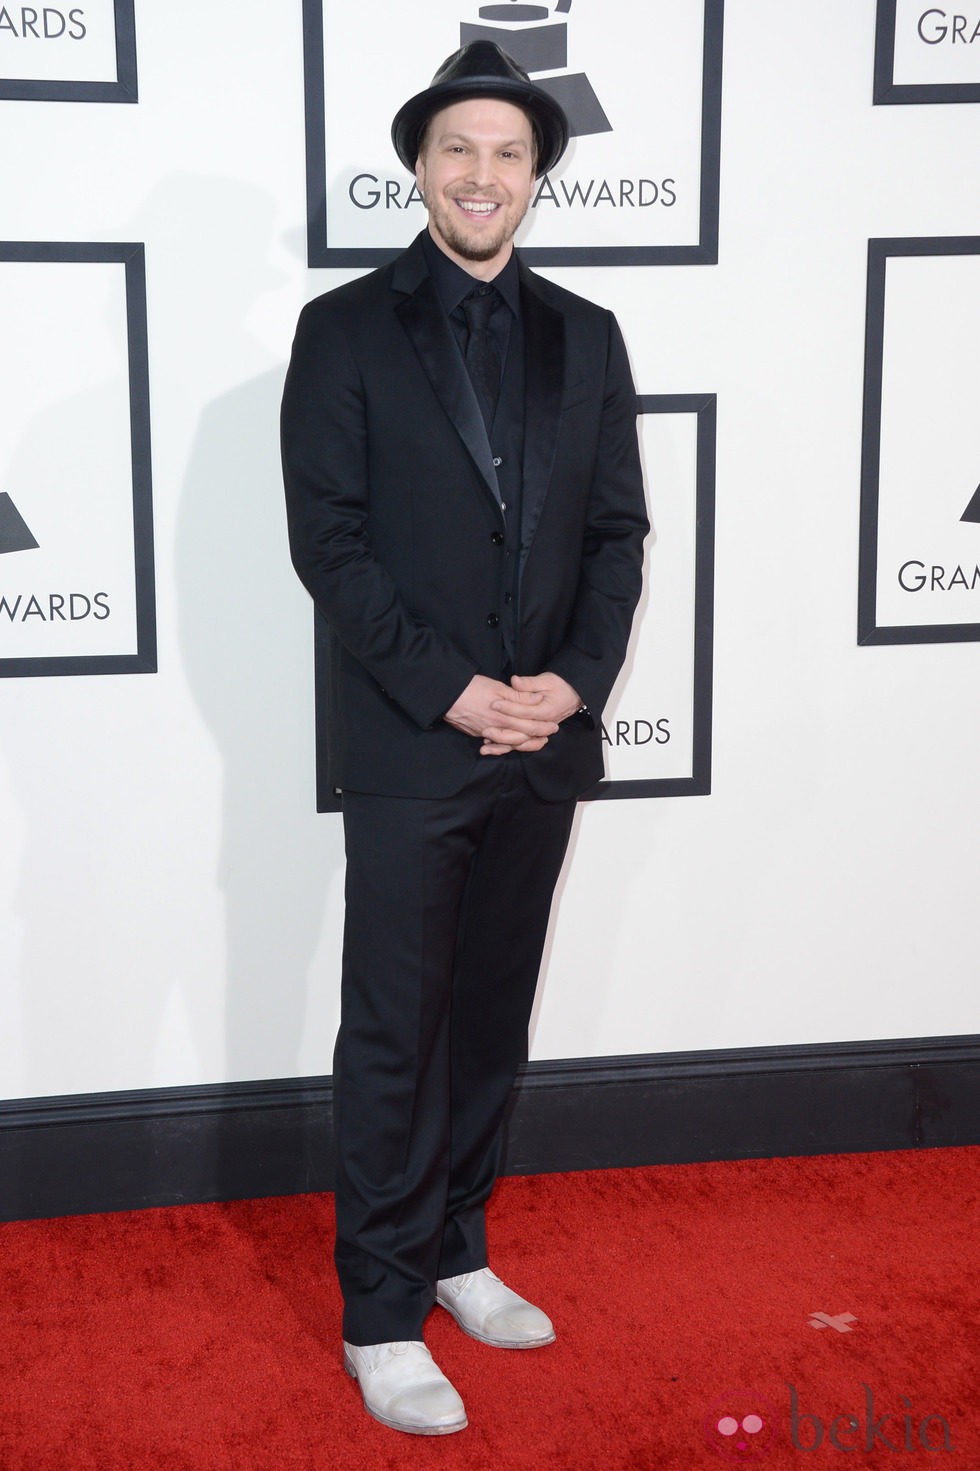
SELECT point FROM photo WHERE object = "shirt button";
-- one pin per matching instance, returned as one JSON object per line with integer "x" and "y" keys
{"x": 503, "y": 505}
{"x": 497, "y": 461}
{"x": 497, "y": 538}
{"x": 508, "y": 597}
{"x": 492, "y": 620}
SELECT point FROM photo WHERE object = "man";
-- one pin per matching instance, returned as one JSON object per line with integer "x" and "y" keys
{"x": 466, "y": 508}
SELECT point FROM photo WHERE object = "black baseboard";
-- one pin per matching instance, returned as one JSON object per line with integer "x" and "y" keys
{"x": 175, "y": 1146}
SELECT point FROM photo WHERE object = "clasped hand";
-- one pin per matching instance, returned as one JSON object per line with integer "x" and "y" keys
{"x": 516, "y": 717}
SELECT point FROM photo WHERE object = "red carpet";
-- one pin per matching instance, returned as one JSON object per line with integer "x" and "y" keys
{"x": 206, "y": 1338}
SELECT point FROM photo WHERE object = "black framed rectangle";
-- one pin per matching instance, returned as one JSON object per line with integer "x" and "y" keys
{"x": 698, "y": 784}
{"x": 122, "y": 88}
{"x": 942, "y": 28}
{"x": 143, "y": 658}
{"x": 702, "y": 252}
{"x": 704, "y": 406}
{"x": 869, "y": 630}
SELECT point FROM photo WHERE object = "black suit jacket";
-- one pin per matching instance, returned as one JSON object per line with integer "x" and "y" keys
{"x": 394, "y": 524}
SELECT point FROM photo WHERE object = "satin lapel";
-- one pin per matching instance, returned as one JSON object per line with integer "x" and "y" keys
{"x": 432, "y": 337}
{"x": 544, "y": 349}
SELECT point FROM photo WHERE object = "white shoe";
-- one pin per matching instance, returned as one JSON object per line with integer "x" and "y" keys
{"x": 404, "y": 1389}
{"x": 491, "y": 1313}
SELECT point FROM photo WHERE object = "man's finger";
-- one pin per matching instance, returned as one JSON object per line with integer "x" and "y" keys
{"x": 525, "y": 697}
{"x": 513, "y": 710}
{"x": 523, "y": 728}
{"x": 514, "y": 735}
{"x": 493, "y": 748}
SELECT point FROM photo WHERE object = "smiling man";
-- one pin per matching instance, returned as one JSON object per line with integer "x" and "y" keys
{"x": 466, "y": 509}
{"x": 475, "y": 170}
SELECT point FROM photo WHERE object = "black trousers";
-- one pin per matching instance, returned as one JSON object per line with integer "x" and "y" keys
{"x": 447, "y": 906}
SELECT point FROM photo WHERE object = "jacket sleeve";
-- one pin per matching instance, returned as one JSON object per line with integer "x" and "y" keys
{"x": 610, "y": 576}
{"x": 327, "y": 481}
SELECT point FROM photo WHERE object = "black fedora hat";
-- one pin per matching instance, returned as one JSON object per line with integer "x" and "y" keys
{"x": 482, "y": 69}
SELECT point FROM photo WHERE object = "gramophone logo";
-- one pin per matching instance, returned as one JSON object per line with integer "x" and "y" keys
{"x": 15, "y": 534}
{"x": 972, "y": 512}
{"x": 538, "y": 40}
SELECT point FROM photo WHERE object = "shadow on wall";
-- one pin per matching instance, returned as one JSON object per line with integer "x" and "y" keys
{"x": 246, "y": 646}
{"x": 110, "y": 883}
{"x": 590, "y": 1001}
{"x": 67, "y": 895}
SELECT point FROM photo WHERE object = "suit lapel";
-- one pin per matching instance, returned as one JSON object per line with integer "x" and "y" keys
{"x": 544, "y": 344}
{"x": 425, "y": 322}
{"x": 544, "y": 348}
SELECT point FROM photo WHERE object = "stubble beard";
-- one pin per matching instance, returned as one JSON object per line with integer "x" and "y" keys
{"x": 452, "y": 230}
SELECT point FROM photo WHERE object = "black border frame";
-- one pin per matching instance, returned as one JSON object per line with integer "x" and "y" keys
{"x": 705, "y": 253}
{"x": 698, "y": 784}
{"x": 887, "y": 91}
{"x": 869, "y": 632}
{"x": 131, "y": 256}
{"x": 123, "y": 89}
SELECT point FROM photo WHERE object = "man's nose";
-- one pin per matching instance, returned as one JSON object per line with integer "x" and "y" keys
{"x": 482, "y": 172}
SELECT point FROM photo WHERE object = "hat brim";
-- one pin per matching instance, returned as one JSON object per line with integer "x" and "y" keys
{"x": 548, "y": 118}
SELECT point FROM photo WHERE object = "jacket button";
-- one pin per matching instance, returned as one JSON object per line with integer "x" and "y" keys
{"x": 497, "y": 539}
{"x": 492, "y": 620}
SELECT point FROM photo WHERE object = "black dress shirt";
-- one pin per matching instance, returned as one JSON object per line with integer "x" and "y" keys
{"x": 452, "y": 284}
{"x": 506, "y": 435}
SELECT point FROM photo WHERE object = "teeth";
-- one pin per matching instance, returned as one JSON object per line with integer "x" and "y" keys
{"x": 477, "y": 207}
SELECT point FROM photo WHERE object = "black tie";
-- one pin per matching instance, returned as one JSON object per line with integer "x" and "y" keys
{"x": 482, "y": 362}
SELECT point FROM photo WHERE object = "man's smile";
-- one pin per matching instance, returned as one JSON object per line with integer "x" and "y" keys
{"x": 478, "y": 206}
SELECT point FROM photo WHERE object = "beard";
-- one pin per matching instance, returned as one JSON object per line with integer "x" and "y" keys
{"x": 471, "y": 244}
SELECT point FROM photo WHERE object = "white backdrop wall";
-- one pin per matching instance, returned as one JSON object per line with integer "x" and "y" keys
{"x": 171, "y": 904}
